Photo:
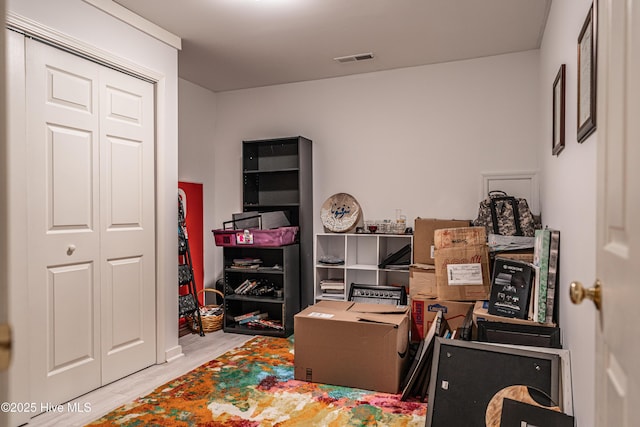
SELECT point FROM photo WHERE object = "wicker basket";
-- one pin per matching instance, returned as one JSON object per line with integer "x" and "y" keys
{"x": 209, "y": 323}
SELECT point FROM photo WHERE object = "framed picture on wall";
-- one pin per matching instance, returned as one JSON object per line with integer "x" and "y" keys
{"x": 557, "y": 142}
{"x": 587, "y": 43}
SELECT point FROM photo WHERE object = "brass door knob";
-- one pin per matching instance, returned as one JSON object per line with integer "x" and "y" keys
{"x": 578, "y": 293}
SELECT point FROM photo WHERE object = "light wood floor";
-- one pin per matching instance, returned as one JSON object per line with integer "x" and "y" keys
{"x": 197, "y": 350}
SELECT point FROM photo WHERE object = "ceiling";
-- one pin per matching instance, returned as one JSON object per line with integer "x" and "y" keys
{"x": 237, "y": 44}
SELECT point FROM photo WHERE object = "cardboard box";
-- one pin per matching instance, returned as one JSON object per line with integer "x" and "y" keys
{"x": 352, "y": 344}
{"x": 423, "y": 311}
{"x": 462, "y": 264}
{"x": 422, "y": 280}
{"x": 480, "y": 312}
{"x": 460, "y": 237}
{"x": 423, "y": 234}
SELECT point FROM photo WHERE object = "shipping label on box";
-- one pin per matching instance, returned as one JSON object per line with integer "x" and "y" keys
{"x": 423, "y": 236}
{"x": 462, "y": 273}
{"x": 423, "y": 311}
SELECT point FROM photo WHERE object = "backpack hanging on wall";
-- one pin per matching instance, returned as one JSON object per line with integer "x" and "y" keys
{"x": 505, "y": 215}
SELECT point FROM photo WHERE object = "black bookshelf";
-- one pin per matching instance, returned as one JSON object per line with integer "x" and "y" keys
{"x": 279, "y": 268}
{"x": 277, "y": 176}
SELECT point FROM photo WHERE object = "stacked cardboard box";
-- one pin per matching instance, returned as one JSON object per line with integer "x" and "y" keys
{"x": 423, "y": 237}
{"x": 450, "y": 272}
{"x": 422, "y": 281}
{"x": 422, "y": 273}
{"x": 462, "y": 264}
{"x": 424, "y": 310}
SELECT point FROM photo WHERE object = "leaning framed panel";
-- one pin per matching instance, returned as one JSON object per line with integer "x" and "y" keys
{"x": 558, "y": 128}
{"x": 566, "y": 389}
{"x": 587, "y": 80}
{"x": 466, "y": 375}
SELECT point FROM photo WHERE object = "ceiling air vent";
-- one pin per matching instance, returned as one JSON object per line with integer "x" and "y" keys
{"x": 354, "y": 58}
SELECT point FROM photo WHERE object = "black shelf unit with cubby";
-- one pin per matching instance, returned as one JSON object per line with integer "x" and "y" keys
{"x": 279, "y": 268}
{"x": 277, "y": 176}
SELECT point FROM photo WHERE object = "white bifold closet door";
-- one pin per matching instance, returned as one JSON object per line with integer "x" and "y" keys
{"x": 91, "y": 257}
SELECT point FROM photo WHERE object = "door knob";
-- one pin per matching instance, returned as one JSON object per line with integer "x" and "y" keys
{"x": 578, "y": 293}
{"x": 5, "y": 346}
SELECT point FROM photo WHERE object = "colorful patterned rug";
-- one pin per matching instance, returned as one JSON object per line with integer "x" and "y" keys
{"x": 253, "y": 386}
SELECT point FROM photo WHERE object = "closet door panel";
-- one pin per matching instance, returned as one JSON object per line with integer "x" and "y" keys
{"x": 127, "y": 200}
{"x": 63, "y": 215}
{"x": 125, "y": 183}
{"x": 72, "y": 335}
{"x": 69, "y": 90}
{"x": 125, "y": 304}
{"x": 70, "y": 179}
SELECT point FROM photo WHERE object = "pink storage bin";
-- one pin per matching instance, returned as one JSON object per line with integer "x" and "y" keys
{"x": 255, "y": 237}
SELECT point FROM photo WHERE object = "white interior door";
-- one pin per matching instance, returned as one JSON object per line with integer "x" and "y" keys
{"x": 91, "y": 223}
{"x": 63, "y": 233}
{"x": 618, "y": 252}
{"x": 127, "y": 217}
{"x": 4, "y": 221}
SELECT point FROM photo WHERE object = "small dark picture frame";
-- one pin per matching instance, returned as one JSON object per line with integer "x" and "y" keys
{"x": 587, "y": 47}
{"x": 557, "y": 141}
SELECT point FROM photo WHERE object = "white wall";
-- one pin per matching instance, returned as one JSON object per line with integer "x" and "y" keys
{"x": 415, "y": 139}
{"x": 568, "y": 198}
{"x": 196, "y": 152}
{"x": 80, "y": 21}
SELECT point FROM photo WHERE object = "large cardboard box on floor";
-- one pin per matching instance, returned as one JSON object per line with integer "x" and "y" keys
{"x": 423, "y": 311}
{"x": 423, "y": 234}
{"x": 352, "y": 344}
{"x": 422, "y": 280}
{"x": 462, "y": 264}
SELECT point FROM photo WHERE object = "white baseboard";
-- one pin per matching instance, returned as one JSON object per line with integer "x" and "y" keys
{"x": 173, "y": 354}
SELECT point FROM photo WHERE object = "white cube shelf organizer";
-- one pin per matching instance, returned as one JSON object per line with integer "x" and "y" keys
{"x": 355, "y": 258}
